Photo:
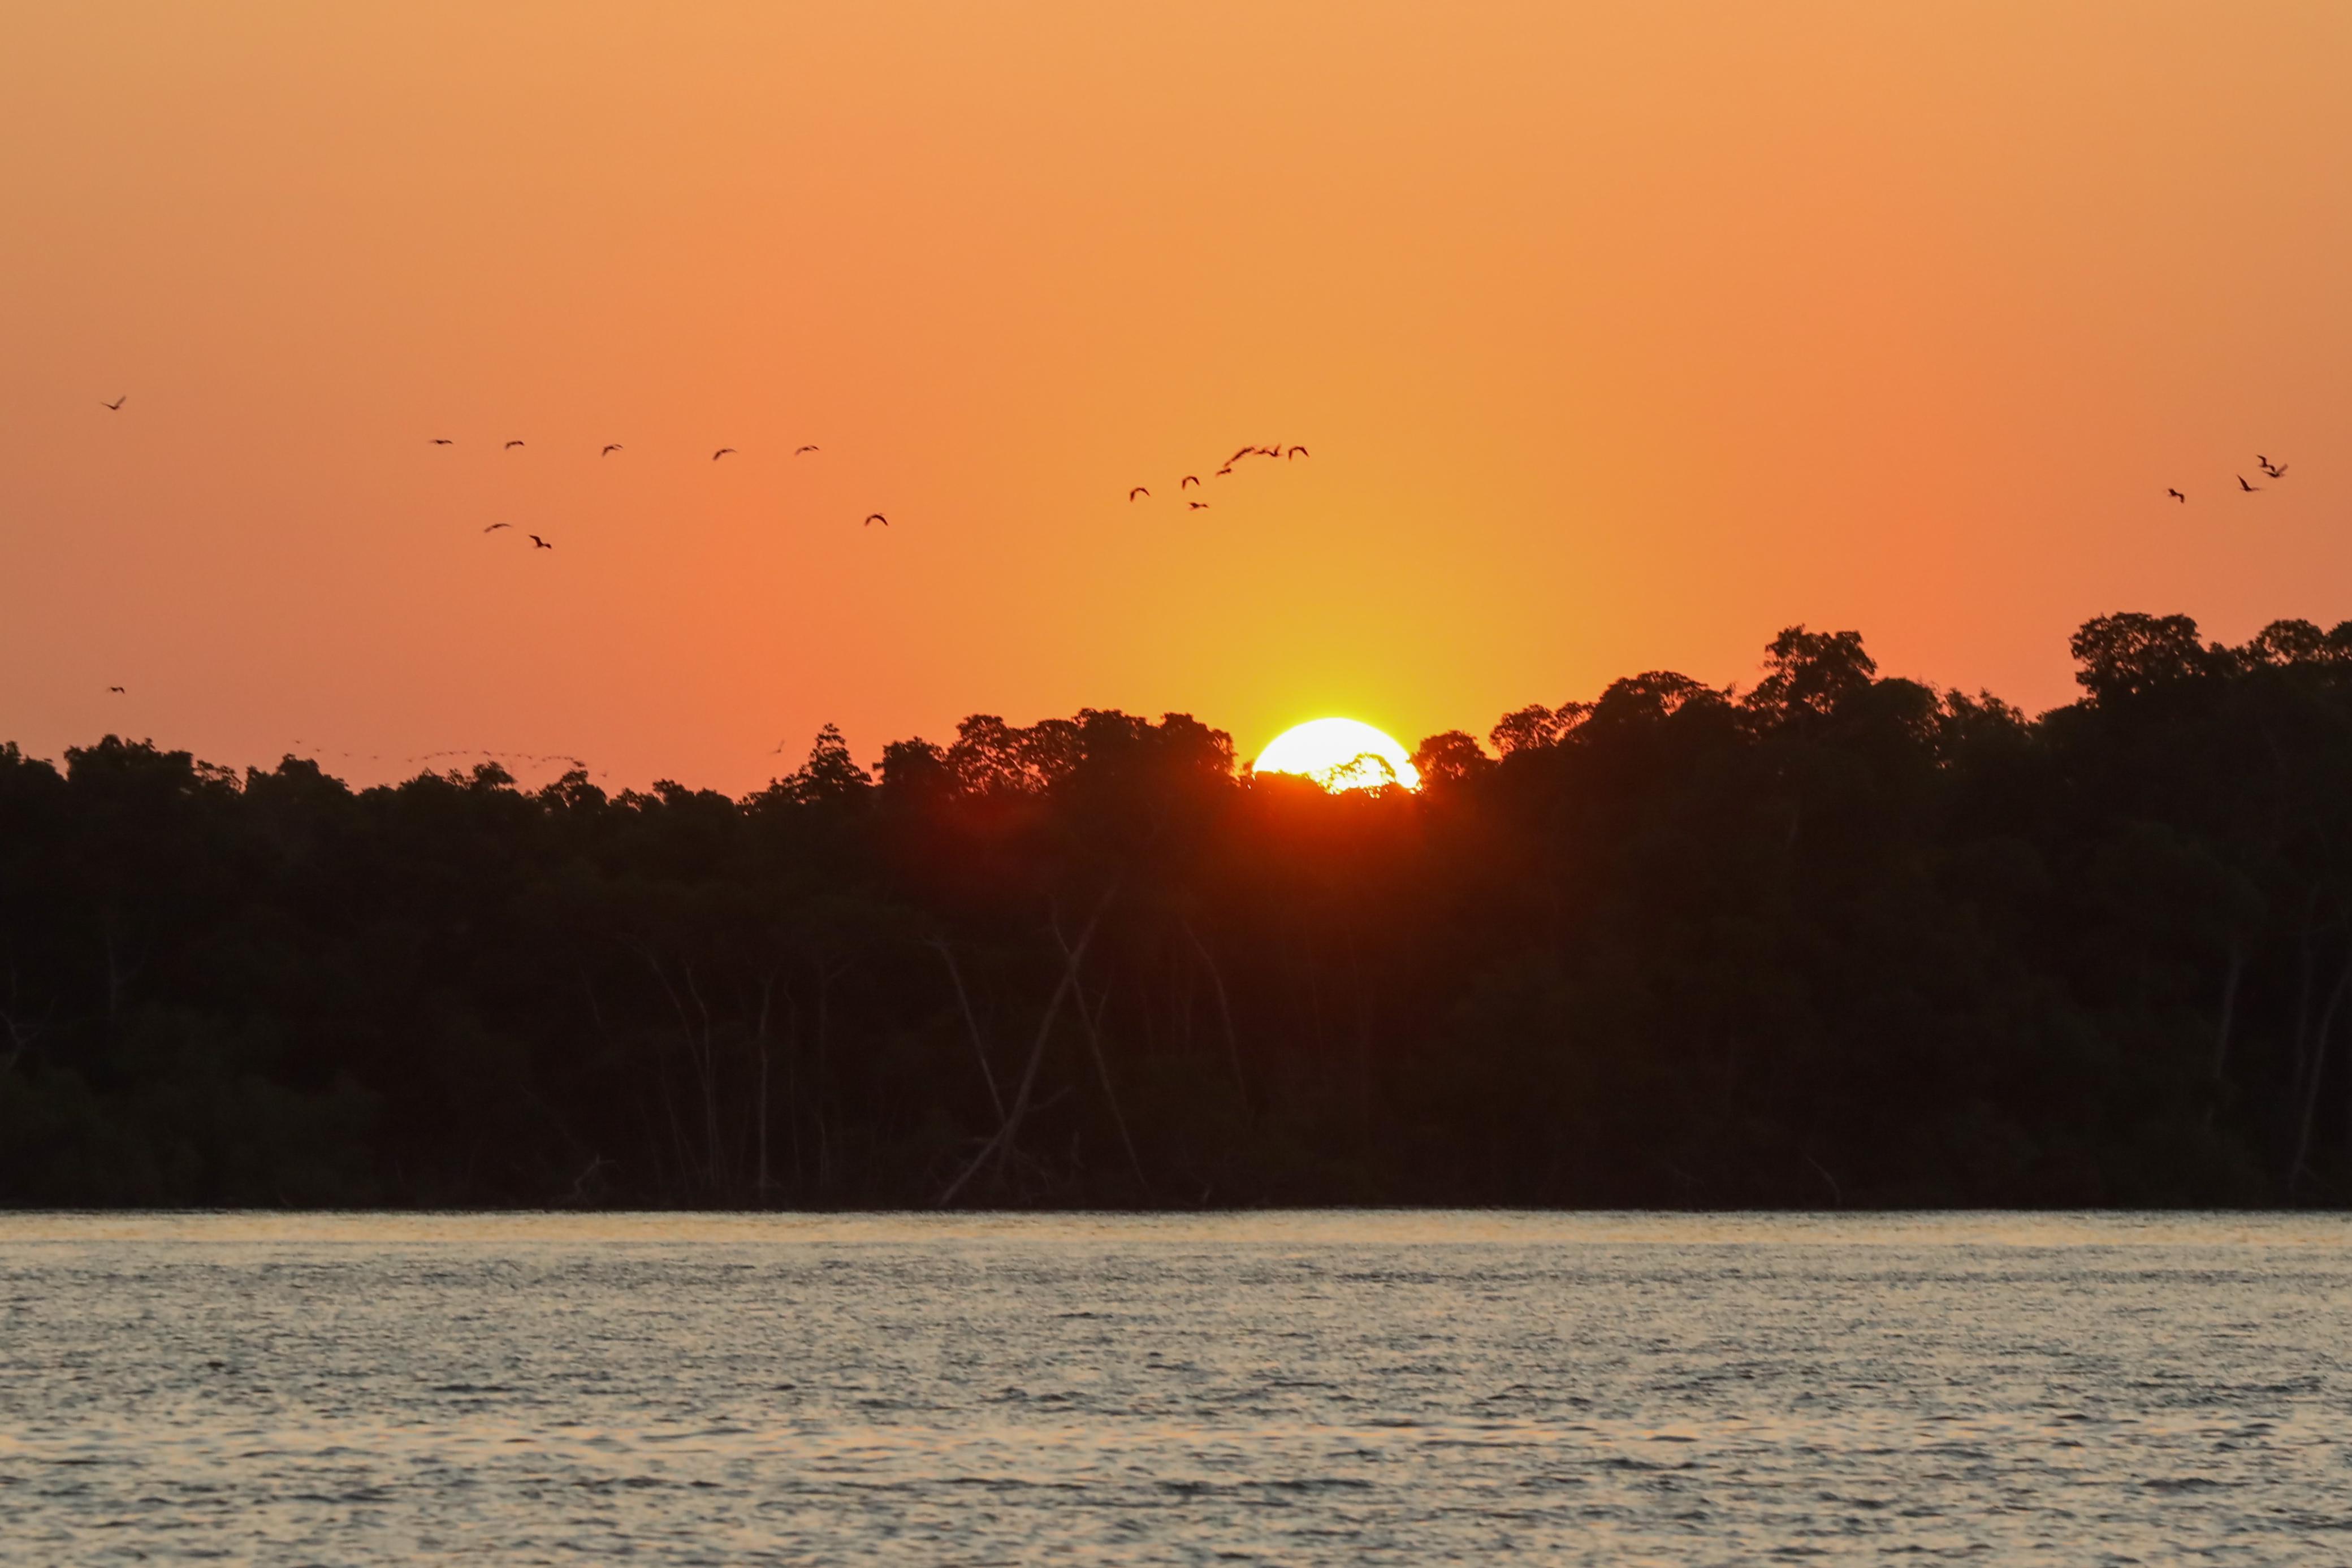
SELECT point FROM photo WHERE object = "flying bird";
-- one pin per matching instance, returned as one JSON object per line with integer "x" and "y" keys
{"x": 493, "y": 527}
{"x": 798, "y": 450}
{"x": 720, "y": 453}
{"x": 2177, "y": 496}
{"x": 1139, "y": 490}
{"x": 537, "y": 543}
{"x": 2274, "y": 469}
{"x": 510, "y": 445}
{"x": 1222, "y": 472}
{"x": 118, "y": 690}
{"x": 443, "y": 440}
{"x": 1198, "y": 505}
{"x": 117, "y": 404}
{"x": 874, "y": 517}
{"x": 610, "y": 447}
{"x": 2243, "y": 485}
{"x": 1238, "y": 455}
{"x": 1190, "y": 479}
{"x": 1300, "y": 451}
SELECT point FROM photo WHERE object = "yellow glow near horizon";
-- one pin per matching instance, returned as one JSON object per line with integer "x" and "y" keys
{"x": 1616, "y": 337}
{"x": 1340, "y": 754}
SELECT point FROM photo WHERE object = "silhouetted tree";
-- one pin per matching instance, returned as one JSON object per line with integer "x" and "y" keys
{"x": 1843, "y": 939}
{"x": 1452, "y": 758}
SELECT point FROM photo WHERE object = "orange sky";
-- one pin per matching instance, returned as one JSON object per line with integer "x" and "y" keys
{"x": 1623, "y": 335}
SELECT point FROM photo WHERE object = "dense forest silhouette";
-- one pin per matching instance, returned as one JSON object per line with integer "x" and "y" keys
{"x": 1839, "y": 940}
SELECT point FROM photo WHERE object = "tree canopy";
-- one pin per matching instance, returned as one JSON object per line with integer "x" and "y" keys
{"x": 1840, "y": 939}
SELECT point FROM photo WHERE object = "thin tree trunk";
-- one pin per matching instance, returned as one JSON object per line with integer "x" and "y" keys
{"x": 823, "y": 1022}
{"x": 1837, "y": 1193}
{"x": 1224, "y": 1016}
{"x": 685, "y": 1036}
{"x": 113, "y": 973}
{"x": 669, "y": 1114}
{"x": 706, "y": 1068}
{"x": 1187, "y": 977}
{"x": 2319, "y": 1071}
{"x": 1091, "y": 1021}
{"x": 792, "y": 1090}
{"x": 2229, "y": 1008}
{"x": 2302, "y": 991}
{"x": 767, "y": 998}
{"x": 978, "y": 1048}
{"x": 1363, "y": 1047}
{"x": 1313, "y": 969}
{"x": 651, "y": 1132}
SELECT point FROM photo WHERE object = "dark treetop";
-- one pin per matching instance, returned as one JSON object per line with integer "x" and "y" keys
{"x": 1839, "y": 940}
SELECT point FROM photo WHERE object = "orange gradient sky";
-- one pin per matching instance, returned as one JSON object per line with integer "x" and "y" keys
{"x": 1623, "y": 335}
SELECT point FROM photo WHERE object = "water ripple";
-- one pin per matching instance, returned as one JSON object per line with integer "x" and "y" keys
{"x": 1306, "y": 1388}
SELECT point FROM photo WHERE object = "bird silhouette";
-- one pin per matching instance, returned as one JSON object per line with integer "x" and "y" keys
{"x": 510, "y": 445}
{"x": 720, "y": 453}
{"x": 1300, "y": 451}
{"x": 2177, "y": 496}
{"x": 1139, "y": 490}
{"x": 874, "y": 517}
{"x": 2274, "y": 469}
{"x": 610, "y": 447}
{"x": 2243, "y": 485}
{"x": 117, "y": 404}
{"x": 1190, "y": 479}
{"x": 798, "y": 450}
{"x": 493, "y": 527}
{"x": 1222, "y": 472}
{"x": 443, "y": 440}
{"x": 1198, "y": 505}
{"x": 118, "y": 690}
{"x": 537, "y": 543}
{"x": 1239, "y": 455}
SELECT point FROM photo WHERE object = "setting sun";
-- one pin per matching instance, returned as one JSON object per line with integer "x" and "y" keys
{"x": 1340, "y": 754}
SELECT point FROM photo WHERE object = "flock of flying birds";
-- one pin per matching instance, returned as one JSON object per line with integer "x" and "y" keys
{"x": 2275, "y": 470}
{"x": 1278, "y": 452}
{"x": 606, "y": 451}
{"x": 1192, "y": 481}
{"x": 1139, "y": 492}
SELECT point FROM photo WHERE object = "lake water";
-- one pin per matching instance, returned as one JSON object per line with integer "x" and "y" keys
{"x": 1292, "y": 1388}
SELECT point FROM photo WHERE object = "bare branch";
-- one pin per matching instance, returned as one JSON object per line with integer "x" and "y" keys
{"x": 1005, "y": 1135}
{"x": 1092, "y": 1019}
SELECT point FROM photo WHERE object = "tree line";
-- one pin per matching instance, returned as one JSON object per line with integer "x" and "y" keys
{"x": 1838, "y": 939}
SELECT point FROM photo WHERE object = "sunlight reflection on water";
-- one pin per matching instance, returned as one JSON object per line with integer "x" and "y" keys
{"x": 1319, "y": 1387}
